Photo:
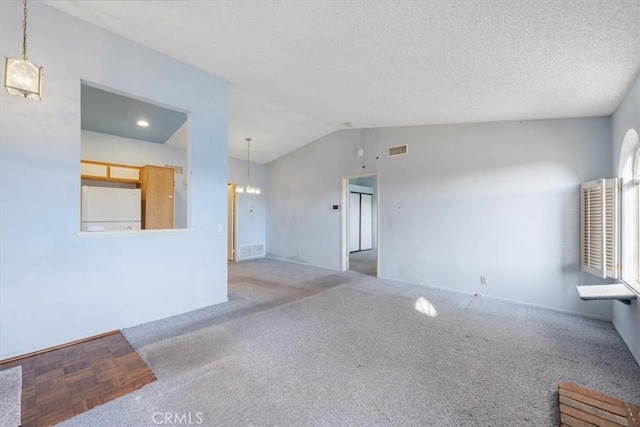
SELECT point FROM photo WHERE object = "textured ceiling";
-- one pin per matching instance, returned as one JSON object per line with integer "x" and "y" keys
{"x": 114, "y": 114}
{"x": 299, "y": 69}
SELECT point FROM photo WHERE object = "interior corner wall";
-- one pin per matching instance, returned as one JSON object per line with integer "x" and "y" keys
{"x": 251, "y": 208}
{"x": 101, "y": 147}
{"x": 626, "y": 318}
{"x": 55, "y": 286}
{"x": 499, "y": 200}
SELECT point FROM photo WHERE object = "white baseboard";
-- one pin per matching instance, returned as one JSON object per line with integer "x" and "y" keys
{"x": 302, "y": 263}
{"x": 458, "y": 291}
{"x": 513, "y": 301}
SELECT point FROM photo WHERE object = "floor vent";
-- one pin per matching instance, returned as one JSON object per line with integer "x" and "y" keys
{"x": 251, "y": 251}
{"x": 399, "y": 150}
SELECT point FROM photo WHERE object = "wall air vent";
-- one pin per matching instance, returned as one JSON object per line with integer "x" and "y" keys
{"x": 251, "y": 251}
{"x": 398, "y": 150}
{"x": 178, "y": 169}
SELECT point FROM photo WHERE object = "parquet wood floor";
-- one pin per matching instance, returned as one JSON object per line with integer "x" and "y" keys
{"x": 61, "y": 383}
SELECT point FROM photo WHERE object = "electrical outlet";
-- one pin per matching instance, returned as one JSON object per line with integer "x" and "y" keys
{"x": 483, "y": 280}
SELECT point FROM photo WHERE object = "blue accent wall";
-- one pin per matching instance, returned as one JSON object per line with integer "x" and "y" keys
{"x": 55, "y": 285}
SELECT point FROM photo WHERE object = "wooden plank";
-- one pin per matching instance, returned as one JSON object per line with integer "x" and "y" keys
{"x": 590, "y": 393}
{"x": 568, "y": 420}
{"x": 633, "y": 414}
{"x": 590, "y": 418}
{"x": 614, "y": 409}
{"x": 594, "y": 410}
{"x": 600, "y": 402}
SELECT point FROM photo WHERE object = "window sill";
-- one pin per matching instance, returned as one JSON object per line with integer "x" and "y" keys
{"x": 131, "y": 233}
{"x": 633, "y": 286}
{"x": 617, "y": 291}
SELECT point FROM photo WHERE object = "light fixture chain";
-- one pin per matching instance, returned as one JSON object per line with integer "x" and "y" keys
{"x": 248, "y": 162}
{"x": 248, "y": 189}
{"x": 24, "y": 31}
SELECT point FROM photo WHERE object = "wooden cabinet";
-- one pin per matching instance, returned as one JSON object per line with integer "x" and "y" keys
{"x": 124, "y": 173}
{"x": 157, "y": 185}
{"x": 93, "y": 170}
{"x": 109, "y": 171}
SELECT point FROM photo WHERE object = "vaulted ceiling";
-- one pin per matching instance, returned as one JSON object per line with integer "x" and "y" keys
{"x": 299, "y": 69}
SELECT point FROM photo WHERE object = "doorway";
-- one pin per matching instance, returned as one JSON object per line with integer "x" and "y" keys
{"x": 360, "y": 220}
{"x": 360, "y": 241}
{"x": 232, "y": 222}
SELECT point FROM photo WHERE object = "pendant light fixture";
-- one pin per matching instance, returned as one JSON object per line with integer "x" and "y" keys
{"x": 248, "y": 189}
{"x": 21, "y": 77}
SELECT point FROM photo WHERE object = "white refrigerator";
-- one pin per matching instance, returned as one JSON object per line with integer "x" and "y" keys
{"x": 110, "y": 209}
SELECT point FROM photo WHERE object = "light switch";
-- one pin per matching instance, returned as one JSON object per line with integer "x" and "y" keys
{"x": 219, "y": 228}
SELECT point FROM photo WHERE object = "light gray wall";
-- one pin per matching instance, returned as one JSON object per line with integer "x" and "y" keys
{"x": 115, "y": 149}
{"x": 494, "y": 199}
{"x": 56, "y": 287}
{"x": 626, "y": 318}
{"x": 251, "y": 208}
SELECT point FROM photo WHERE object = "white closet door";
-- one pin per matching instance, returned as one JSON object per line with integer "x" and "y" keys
{"x": 366, "y": 238}
{"x": 354, "y": 222}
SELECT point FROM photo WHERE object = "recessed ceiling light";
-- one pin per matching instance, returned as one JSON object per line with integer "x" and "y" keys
{"x": 143, "y": 123}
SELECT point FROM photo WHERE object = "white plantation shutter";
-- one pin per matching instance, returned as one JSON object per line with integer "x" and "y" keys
{"x": 599, "y": 227}
{"x": 611, "y": 227}
{"x": 592, "y": 219}
{"x": 636, "y": 183}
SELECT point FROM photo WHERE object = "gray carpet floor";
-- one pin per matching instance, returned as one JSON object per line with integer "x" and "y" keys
{"x": 10, "y": 397}
{"x": 299, "y": 345}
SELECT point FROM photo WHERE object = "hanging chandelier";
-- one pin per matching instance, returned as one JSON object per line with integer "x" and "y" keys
{"x": 248, "y": 189}
{"x": 21, "y": 77}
